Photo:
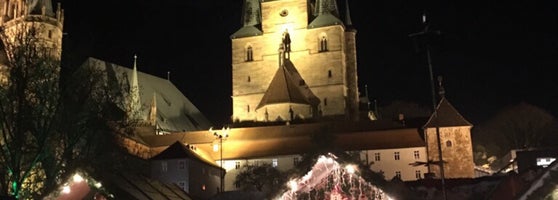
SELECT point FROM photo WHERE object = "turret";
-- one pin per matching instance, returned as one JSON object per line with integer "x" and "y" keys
{"x": 20, "y": 16}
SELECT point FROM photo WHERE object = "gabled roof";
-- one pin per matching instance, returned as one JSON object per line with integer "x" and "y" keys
{"x": 247, "y": 31}
{"x": 326, "y": 19}
{"x": 180, "y": 151}
{"x": 175, "y": 112}
{"x": 446, "y": 116}
{"x": 287, "y": 86}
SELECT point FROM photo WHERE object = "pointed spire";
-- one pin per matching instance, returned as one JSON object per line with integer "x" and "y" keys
{"x": 251, "y": 13}
{"x": 348, "y": 21}
{"x": 326, "y": 6}
{"x": 153, "y": 110}
{"x": 134, "y": 92}
{"x": 441, "y": 90}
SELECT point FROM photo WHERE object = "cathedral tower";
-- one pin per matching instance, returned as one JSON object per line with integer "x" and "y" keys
{"x": 19, "y": 16}
{"x": 294, "y": 59}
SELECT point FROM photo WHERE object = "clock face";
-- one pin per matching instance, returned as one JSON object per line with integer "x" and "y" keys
{"x": 284, "y": 13}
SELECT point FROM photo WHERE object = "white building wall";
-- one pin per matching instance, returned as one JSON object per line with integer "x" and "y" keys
{"x": 387, "y": 163}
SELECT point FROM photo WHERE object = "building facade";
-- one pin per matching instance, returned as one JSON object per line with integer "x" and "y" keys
{"x": 293, "y": 59}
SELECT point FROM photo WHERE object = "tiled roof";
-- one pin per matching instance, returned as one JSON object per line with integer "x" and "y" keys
{"x": 446, "y": 116}
{"x": 177, "y": 150}
{"x": 297, "y": 138}
{"x": 287, "y": 86}
{"x": 175, "y": 112}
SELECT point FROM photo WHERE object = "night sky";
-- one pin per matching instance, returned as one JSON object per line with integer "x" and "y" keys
{"x": 490, "y": 53}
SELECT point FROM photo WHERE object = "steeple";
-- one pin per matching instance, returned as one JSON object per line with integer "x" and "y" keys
{"x": 135, "y": 104}
{"x": 348, "y": 21}
{"x": 441, "y": 90}
{"x": 251, "y": 13}
{"x": 326, "y": 6}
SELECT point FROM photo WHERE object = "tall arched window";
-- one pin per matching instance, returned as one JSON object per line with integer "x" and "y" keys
{"x": 249, "y": 54}
{"x": 323, "y": 43}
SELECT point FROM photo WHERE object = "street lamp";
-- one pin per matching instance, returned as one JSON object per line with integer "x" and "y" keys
{"x": 222, "y": 135}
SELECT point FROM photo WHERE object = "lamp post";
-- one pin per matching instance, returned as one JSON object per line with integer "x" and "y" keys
{"x": 222, "y": 135}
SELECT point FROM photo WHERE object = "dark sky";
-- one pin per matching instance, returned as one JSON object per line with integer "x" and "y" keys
{"x": 490, "y": 53}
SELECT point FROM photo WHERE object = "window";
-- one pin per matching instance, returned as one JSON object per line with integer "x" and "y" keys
{"x": 181, "y": 164}
{"x": 329, "y": 73}
{"x": 274, "y": 162}
{"x": 249, "y": 54}
{"x": 398, "y": 174}
{"x": 296, "y": 161}
{"x": 164, "y": 166}
{"x": 249, "y": 79}
{"x": 417, "y": 155}
{"x": 418, "y": 174}
{"x": 325, "y": 101}
{"x": 247, "y": 108}
{"x": 396, "y": 155}
{"x": 323, "y": 44}
{"x": 448, "y": 143}
{"x": 50, "y": 34}
{"x": 376, "y": 156}
{"x": 237, "y": 164}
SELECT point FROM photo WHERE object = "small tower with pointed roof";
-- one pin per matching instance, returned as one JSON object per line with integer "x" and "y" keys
{"x": 455, "y": 140}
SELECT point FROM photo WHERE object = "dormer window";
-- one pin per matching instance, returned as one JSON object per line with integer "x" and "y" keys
{"x": 249, "y": 54}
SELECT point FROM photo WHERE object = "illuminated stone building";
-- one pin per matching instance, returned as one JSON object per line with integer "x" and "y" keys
{"x": 295, "y": 81}
{"x": 19, "y": 16}
{"x": 293, "y": 60}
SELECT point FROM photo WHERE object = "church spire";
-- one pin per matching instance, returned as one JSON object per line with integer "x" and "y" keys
{"x": 326, "y": 6}
{"x": 135, "y": 103}
{"x": 441, "y": 90}
{"x": 251, "y": 13}
{"x": 348, "y": 21}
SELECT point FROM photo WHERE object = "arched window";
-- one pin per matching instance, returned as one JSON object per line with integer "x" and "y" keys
{"x": 329, "y": 73}
{"x": 323, "y": 43}
{"x": 448, "y": 143}
{"x": 249, "y": 54}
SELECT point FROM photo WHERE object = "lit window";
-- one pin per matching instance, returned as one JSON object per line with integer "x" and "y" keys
{"x": 323, "y": 44}
{"x": 237, "y": 164}
{"x": 396, "y": 155}
{"x": 417, "y": 155}
{"x": 164, "y": 166}
{"x": 376, "y": 156}
{"x": 274, "y": 162}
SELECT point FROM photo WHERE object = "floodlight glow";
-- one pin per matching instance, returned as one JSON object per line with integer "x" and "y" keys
{"x": 77, "y": 178}
{"x": 66, "y": 189}
{"x": 215, "y": 147}
{"x": 350, "y": 169}
{"x": 98, "y": 185}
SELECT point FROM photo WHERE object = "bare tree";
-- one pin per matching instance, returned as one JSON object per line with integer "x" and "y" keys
{"x": 48, "y": 130}
{"x": 515, "y": 127}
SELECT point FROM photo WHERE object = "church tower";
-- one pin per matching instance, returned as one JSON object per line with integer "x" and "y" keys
{"x": 453, "y": 132}
{"x": 19, "y": 16}
{"x": 294, "y": 59}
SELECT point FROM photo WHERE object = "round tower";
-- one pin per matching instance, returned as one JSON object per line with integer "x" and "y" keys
{"x": 38, "y": 18}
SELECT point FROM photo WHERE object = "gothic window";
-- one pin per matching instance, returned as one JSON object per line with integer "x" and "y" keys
{"x": 418, "y": 174}
{"x": 249, "y": 54}
{"x": 448, "y": 143}
{"x": 398, "y": 174}
{"x": 237, "y": 165}
{"x": 376, "y": 156}
{"x": 396, "y": 155}
{"x": 323, "y": 44}
{"x": 417, "y": 155}
{"x": 247, "y": 108}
